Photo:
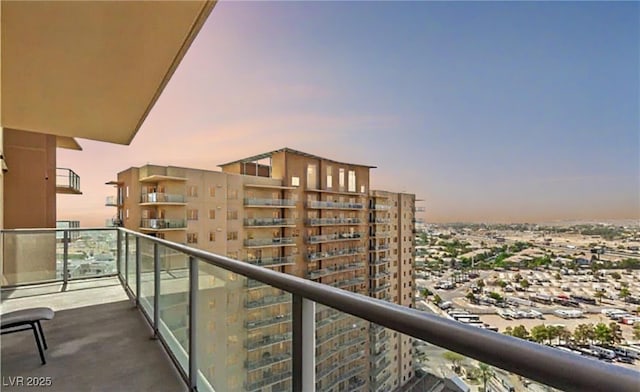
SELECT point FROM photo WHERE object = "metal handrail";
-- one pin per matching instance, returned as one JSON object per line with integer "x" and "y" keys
{"x": 547, "y": 365}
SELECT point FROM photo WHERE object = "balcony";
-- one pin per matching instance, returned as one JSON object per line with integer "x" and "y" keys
{"x": 377, "y": 289}
{"x": 381, "y": 207}
{"x": 267, "y": 361}
{"x": 67, "y": 182}
{"x": 269, "y": 321}
{"x": 96, "y": 316}
{"x": 315, "y": 274}
{"x": 318, "y": 239}
{"x": 266, "y": 381}
{"x": 273, "y": 261}
{"x": 269, "y": 203}
{"x": 163, "y": 224}
{"x": 158, "y": 198}
{"x": 269, "y": 242}
{"x": 269, "y": 222}
{"x": 334, "y": 253}
{"x": 267, "y": 340}
{"x": 380, "y": 234}
{"x": 113, "y": 201}
{"x": 268, "y": 300}
{"x": 343, "y": 284}
{"x": 339, "y": 363}
{"x": 333, "y": 221}
{"x": 378, "y": 248}
{"x": 331, "y": 205}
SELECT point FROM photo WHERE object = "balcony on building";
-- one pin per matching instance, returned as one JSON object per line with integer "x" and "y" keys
{"x": 162, "y": 224}
{"x": 348, "y": 236}
{"x": 161, "y": 198}
{"x": 319, "y": 273}
{"x": 380, "y": 234}
{"x": 269, "y": 203}
{"x": 314, "y": 256}
{"x": 334, "y": 205}
{"x": 274, "y": 378}
{"x": 269, "y": 242}
{"x": 113, "y": 201}
{"x": 267, "y": 340}
{"x": 269, "y": 222}
{"x": 67, "y": 182}
{"x": 267, "y": 361}
{"x": 333, "y": 221}
{"x": 380, "y": 207}
{"x": 347, "y": 283}
{"x": 268, "y": 300}
{"x": 272, "y": 261}
{"x": 379, "y": 261}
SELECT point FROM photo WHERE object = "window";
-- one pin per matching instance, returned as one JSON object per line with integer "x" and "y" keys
{"x": 126, "y": 193}
{"x": 192, "y": 191}
{"x": 232, "y": 194}
{"x": 329, "y": 178}
{"x": 295, "y": 181}
{"x": 192, "y": 214}
{"x": 311, "y": 177}
{"x": 232, "y": 236}
{"x": 192, "y": 238}
{"x": 232, "y": 215}
{"x": 212, "y": 214}
{"x": 362, "y": 188}
{"x": 127, "y": 213}
{"x": 212, "y": 236}
{"x": 352, "y": 181}
{"x": 341, "y": 179}
{"x": 212, "y": 191}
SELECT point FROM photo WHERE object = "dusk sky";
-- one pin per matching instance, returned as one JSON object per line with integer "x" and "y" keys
{"x": 488, "y": 111}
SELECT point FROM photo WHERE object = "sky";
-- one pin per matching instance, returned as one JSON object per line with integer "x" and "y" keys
{"x": 488, "y": 111}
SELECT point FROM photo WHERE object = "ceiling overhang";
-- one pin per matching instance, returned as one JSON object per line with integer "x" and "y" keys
{"x": 91, "y": 69}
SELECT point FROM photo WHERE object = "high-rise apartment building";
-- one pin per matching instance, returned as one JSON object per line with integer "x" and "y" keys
{"x": 299, "y": 214}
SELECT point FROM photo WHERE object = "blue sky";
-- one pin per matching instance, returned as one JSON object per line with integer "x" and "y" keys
{"x": 490, "y": 111}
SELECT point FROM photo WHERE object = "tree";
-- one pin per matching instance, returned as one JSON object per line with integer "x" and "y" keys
{"x": 558, "y": 276}
{"x": 521, "y": 332}
{"x": 602, "y": 333}
{"x": 584, "y": 333}
{"x": 454, "y": 358}
{"x": 539, "y": 333}
{"x": 616, "y": 275}
{"x": 624, "y": 293}
{"x": 485, "y": 373}
{"x": 436, "y": 299}
{"x": 471, "y": 297}
{"x": 599, "y": 294}
{"x": 480, "y": 283}
{"x": 525, "y": 284}
{"x": 518, "y": 277}
{"x": 564, "y": 335}
{"x": 426, "y": 293}
{"x": 616, "y": 333}
{"x": 636, "y": 331}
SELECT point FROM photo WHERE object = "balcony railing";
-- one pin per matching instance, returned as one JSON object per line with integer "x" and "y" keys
{"x": 277, "y": 241}
{"x": 272, "y": 261}
{"x": 334, "y": 270}
{"x": 381, "y": 207}
{"x": 334, "y": 253}
{"x": 547, "y": 365}
{"x": 67, "y": 181}
{"x": 259, "y": 222}
{"x": 162, "y": 198}
{"x": 163, "y": 224}
{"x": 250, "y": 202}
{"x": 113, "y": 201}
{"x": 273, "y": 359}
{"x": 268, "y": 300}
{"x": 335, "y": 205}
{"x": 333, "y": 221}
{"x": 316, "y": 239}
{"x": 266, "y": 322}
{"x": 267, "y": 340}
{"x": 379, "y": 261}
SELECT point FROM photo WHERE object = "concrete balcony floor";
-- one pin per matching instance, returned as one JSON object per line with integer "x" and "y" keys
{"x": 97, "y": 342}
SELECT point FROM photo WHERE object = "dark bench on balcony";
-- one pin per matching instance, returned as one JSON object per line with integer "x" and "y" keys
{"x": 25, "y": 319}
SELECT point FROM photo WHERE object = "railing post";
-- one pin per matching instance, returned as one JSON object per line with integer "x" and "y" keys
{"x": 304, "y": 344}
{"x": 193, "y": 319}
{"x": 138, "y": 273}
{"x": 65, "y": 258}
{"x": 156, "y": 289}
{"x": 126, "y": 258}
{"x": 119, "y": 251}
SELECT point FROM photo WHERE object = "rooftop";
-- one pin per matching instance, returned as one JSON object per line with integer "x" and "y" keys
{"x": 290, "y": 151}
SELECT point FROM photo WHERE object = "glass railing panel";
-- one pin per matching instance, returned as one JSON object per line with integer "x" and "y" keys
{"x": 244, "y": 333}
{"x": 131, "y": 264}
{"x": 174, "y": 303}
{"x": 30, "y": 258}
{"x": 147, "y": 288}
{"x": 91, "y": 253}
{"x": 342, "y": 356}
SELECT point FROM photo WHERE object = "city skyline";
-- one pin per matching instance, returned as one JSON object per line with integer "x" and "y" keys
{"x": 488, "y": 112}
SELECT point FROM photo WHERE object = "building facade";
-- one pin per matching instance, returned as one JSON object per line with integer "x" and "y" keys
{"x": 298, "y": 214}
